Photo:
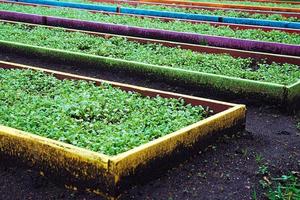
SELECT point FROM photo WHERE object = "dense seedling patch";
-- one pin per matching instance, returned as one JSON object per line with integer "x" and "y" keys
{"x": 103, "y": 119}
{"x": 118, "y": 47}
{"x": 227, "y": 13}
{"x": 286, "y": 186}
{"x": 109, "y": 120}
{"x": 253, "y": 34}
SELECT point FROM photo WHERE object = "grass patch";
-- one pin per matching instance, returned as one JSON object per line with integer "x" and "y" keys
{"x": 120, "y": 48}
{"x": 286, "y": 187}
{"x": 100, "y": 118}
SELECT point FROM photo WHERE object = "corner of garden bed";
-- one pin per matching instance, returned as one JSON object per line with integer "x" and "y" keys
{"x": 293, "y": 96}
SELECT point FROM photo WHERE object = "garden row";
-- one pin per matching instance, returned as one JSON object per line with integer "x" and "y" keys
{"x": 181, "y": 13}
{"x": 288, "y": 4}
{"x": 183, "y": 65}
{"x": 240, "y": 10}
{"x": 185, "y": 37}
{"x": 74, "y": 122}
{"x": 188, "y": 7}
{"x": 255, "y": 3}
{"x": 283, "y": 4}
{"x": 108, "y": 135}
{"x": 118, "y": 47}
{"x": 218, "y": 5}
{"x": 179, "y": 26}
{"x": 79, "y": 113}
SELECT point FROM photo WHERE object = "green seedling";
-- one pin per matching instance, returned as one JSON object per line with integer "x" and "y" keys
{"x": 252, "y": 34}
{"x": 99, "y": 118}
{"x": 155, "y": 54}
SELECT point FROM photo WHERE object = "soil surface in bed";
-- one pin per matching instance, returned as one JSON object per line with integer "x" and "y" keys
{"x": 228, "y": 169}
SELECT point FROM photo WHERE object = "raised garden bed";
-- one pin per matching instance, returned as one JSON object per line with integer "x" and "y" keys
{"x": 233, "y": 12}
{"x": 229, "y": 12}
{"x": 277, "y": 36}
{"x": 102, "y": 173}
{"x": 224, "y": 5}
{"x": 13, "y": 6}
{"x": 225, "y": 42}
{"x": 288, "y": 4}
{"x": 171, "y": 14}
{"x": 256, "y": 56}
{"x": 291, "y": 2}
{"x": 209, "y": 71}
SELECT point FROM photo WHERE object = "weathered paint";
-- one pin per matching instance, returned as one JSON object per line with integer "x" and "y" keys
{"x": 125, "y": 163}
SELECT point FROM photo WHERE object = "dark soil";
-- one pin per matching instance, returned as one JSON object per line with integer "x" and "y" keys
{"x": 228, "y": 169}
